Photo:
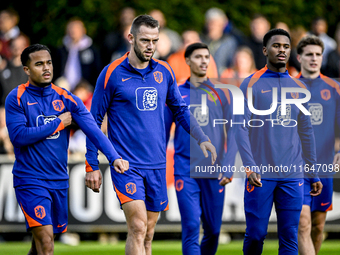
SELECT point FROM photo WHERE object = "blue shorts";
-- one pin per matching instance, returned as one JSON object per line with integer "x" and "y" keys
{"x": 142, "y": 184}
{"x": 323, "y": 202}
{"x": 42, "y": 206}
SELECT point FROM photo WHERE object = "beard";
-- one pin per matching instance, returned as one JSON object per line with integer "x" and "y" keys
{"x": 279, "y": 65}
{"x": 139, "y": 54}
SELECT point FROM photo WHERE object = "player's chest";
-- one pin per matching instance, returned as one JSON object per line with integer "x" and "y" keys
{"x": 144, "y": 93}
{"x": 42, "y": 110}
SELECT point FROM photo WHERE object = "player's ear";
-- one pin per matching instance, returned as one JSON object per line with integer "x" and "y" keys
{"x": 130, "y": 38}
{"x": 187, "y": 60}
{"x": 26, "y": 70}
{"x": 299, "y": 58}
{"x": 264, "y": 50}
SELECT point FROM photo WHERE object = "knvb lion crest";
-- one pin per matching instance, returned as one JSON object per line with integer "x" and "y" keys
{"x": 316, "y": 111}
{"x": 39, "y": 212}
{"x": 58, "y": 105}
{"x": 158, "y": 76}
{"x": 131, "y": 188}
{"x": 250, "y": 187}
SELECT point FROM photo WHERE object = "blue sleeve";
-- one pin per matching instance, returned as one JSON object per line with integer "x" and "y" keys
{"x": 229, "y": 157}
{"x": 168, "y": 119}
{"x": 99, "y": 106}
{"x": 16, "y": 121}
{"x": 306, "y": 134}
{"x": 337, "y": 111}
{"x": 182, "y": 114}
{"x": 88, "y": 125}
{"x": 242, "y": 133}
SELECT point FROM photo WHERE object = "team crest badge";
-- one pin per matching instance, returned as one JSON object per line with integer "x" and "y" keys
{"x": 179, "y": 185}
{"x": 40, "y": 212}
{"x": 325, "y": 94}
{"x": 158, "y": 76}
{"x": 250, "y": 187}
{"x": 131, "y": 188}
{"x": 294, "y": 95}
{"x": 58, "y": 105}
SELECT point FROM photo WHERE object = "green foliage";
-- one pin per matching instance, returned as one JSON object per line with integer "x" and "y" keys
{"x": 45, "y": 21}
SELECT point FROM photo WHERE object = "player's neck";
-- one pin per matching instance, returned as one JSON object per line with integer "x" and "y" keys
{"x": 310, "y": 75}
{"x": 196, "y": 81}
{"x": 136, "y": 62}
{"x": 274, "y": 68}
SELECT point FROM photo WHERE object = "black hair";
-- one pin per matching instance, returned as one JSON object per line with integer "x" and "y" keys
{"x": 271, "y": 33}
{"x": 195, "y": 46}
{"x": 145, "y": 20}
{"x": 25, "y": 55}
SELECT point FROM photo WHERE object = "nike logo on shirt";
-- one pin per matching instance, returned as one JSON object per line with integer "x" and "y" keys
{"x": 31, "y": 103}
{"x": 126, "y": 79}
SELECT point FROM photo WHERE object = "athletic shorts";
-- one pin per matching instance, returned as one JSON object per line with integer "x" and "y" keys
{"x": 142, "y": 184}
{"x": 322, "y": 202}
{"x": 43, "y": 206}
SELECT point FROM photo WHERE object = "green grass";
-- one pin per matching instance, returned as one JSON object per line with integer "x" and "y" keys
{"x": 331, "y": 247}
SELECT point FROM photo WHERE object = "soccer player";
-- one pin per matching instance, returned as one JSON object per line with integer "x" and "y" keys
{"x": 201, "y": 197}
{"x": 133, "y": 91}
{"x": 279, "y": 143}
{"x": 325, "y": 109}
{"x": 37, "y": 116}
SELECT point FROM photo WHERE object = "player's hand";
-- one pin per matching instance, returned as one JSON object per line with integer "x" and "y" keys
{"x": 336, "y": 160}
{"x": 66, "y": 118}
{"x": 93, "y": 180}
{"x": 316, "y": 189}
{"x": 208, "y": 146}
{"x": 255, "y": 179}
{"x": 223, "y": 180}
{"x": 121, "y": 165}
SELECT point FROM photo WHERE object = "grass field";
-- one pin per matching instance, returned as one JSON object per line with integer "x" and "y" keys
{"x": 331, "y": 247}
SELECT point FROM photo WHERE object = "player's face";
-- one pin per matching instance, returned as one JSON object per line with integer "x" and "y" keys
{"x": 40, "y": 68}
{"x": 199, "y": 61}
{"x": 311, "y": 58}
{"x": 278, "y": 50}
{"x": 145, "y": 42}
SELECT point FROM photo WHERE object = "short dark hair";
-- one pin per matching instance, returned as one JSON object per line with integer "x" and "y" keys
{"x": 145, "y": 20}
{"x": 25, "y": 55}
{"x": 309, "y": 40}
{"x": 271, "y": 33}
{"x": 195, "y": 46}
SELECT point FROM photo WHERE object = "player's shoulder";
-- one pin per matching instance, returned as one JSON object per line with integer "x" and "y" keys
{"x": 165, "y": 67}
{"x": 331, "y": 83}
{"x": 69, "y": 97}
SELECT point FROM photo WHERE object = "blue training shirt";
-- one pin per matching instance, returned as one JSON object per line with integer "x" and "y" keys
{"x": 134, "y": 104}
{"x": 188, "y": 157}
{"x": 325, "y": 109}
{"x": 286, "y": 140}
{"x": 39, "y": 138}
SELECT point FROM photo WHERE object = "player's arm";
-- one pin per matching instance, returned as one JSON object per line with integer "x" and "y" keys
{"x": 88, "y": 125}
{"x": 168, "y": 119}
{"x": 100, "y": 103}
{"x": 336, "y": 160}
{"x": 22, "y": 135}
{"x": 184, "y": 117}
{"x": 229, "y": 156}
{"x": 99, "y": 106}
{"x": 306, "y": 134}
{"x": 243, "y": 141}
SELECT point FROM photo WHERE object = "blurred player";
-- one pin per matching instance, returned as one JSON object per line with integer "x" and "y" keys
{"x": 201, "y": 198}
{"x": 279, "y": 142}
{"x": 133, "y": 91}
{"x": 325, "y": 109}
{"x": 37, "y": 114}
